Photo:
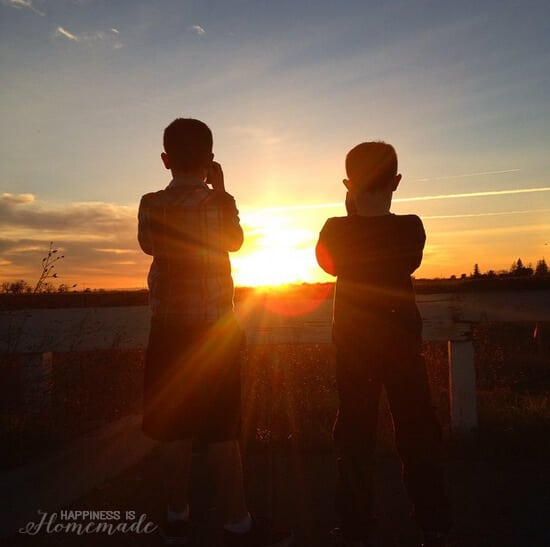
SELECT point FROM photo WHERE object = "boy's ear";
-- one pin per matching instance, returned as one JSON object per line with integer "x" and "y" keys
{"x": 347, "y": 184}
{"x": 165, "y": 160}
{"x": 395, "y": 182}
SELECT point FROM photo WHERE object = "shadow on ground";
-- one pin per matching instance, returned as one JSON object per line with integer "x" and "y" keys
{"x": 505, "y": 504}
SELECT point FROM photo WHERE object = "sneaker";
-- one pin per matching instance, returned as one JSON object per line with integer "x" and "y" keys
{"x": 262, "y": 534}
{"x": 339, "y": 539}
{"x": 176, "y": 532}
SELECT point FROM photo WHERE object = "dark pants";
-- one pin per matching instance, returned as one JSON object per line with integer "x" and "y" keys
{"x": 192, "y": 384}
{"x": 362, "y": 370}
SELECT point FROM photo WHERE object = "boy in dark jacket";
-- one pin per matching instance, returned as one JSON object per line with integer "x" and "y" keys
{"x": 377, "y": 330}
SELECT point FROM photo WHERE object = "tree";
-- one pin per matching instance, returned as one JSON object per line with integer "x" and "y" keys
{"x": 541, "y": 268}
{"x": 516, "y": 266}
{"x": 16, "y": 287}
{"x": 519, "y": 270}
{"x": 476, "y": 273}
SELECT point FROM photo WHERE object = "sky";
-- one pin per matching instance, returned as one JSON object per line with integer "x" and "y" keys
{"x": 461, "y": 89}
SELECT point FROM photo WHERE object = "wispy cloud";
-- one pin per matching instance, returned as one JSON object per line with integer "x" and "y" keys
{"x": 16, "y": 199}
{"x": 64, "y": 33}
{"x": 111, "y": 36}
{"x": 259, "y": 134}
{"x": 23, "y": 4}
{"x": 197, "y": 29}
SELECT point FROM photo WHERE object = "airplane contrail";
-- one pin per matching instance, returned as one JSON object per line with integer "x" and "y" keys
{"x": 496, "y": 214}
{"x": 340, "y": 204}
{"x": 466, "y": 175}
{"x": 476, "y": 194}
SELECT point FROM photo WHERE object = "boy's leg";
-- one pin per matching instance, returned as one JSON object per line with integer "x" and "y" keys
{"x": 225, "y": 462}
{"x": 177, "y": 473}
{"x": 240, "y": 529}
{"x": 418, "y": 440}
{"x": 175, "y": 528}
{"x": 355, "y": 441}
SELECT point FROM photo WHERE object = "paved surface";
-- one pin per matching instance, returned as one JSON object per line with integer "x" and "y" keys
{"x": 503, "y": 504}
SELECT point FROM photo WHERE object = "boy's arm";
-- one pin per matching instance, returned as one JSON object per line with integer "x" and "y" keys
{"x": 413, "y": 256}
{"x": 323, "y": 252}
{"x": 232, "y": 231}
{"x": 144, "y": 228}
{"x": 232, "y": 235}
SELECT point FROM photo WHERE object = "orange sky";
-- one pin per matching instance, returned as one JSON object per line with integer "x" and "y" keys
{"x": 98, "y": 241}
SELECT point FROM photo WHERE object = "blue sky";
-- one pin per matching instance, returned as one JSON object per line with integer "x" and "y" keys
{"x": 462, "y": 90}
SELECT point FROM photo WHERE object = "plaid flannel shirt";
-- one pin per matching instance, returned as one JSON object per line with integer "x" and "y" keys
{"x": 189, "y": 228}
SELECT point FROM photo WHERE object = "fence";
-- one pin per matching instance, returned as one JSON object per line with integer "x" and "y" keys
{"x": 270, "y": 319}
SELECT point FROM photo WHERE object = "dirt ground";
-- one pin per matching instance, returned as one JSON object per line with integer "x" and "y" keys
{"x": 505, "y": 504}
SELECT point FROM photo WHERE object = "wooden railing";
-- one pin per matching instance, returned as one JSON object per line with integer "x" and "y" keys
{"x": 36, "y": 333}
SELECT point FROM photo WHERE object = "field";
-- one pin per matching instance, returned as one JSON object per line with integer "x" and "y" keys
{"x": 289, "y": 390}
{"x": 289, "y": 403}
{"x": 289, "y": 395}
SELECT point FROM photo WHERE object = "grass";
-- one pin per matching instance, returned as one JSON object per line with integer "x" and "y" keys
{"x": 289, "y": 397}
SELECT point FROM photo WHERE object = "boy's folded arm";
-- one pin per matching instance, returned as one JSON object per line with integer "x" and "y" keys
{"x": 414, "y": 261}
{"x": 413, "y": 258}
{"x": 323, "y": 253}
{"x": 144, "y": 231}
{"x": 324, "y": 258}
{"x": 409, "y": 260}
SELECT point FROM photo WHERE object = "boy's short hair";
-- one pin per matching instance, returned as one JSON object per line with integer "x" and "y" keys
{"x": 188, "y": 143}
{"x": 371, "y": 165}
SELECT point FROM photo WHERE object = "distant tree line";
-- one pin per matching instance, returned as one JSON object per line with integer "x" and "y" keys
{"x": 517, "y": 269}
{"x": 23, "y": 287}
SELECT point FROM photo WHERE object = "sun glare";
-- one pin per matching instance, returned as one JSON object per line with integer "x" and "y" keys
{"x": 274, "y": 253}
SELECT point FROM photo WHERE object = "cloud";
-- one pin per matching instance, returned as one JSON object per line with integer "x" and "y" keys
{"x": 99, "y": 241}
{"x": 23, "y": 4}
{"x": 197, "y": 29}
{"x": 111, "y": 36}
{"x": 259, "y": 134}
{"x": 63, "y": 33}
{"x": 16, "y": 199}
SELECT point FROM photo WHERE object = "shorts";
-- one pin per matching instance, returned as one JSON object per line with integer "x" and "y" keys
{"x": 192, "y": 382}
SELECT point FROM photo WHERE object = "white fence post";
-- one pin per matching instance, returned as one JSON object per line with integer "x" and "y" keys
{"x": 462, "y": 385}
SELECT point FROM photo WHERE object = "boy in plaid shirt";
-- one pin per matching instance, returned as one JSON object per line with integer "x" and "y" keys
{"x": 192, "y": 370}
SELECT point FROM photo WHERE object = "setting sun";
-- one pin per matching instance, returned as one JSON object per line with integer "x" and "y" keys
{"x": 274, "y": 253}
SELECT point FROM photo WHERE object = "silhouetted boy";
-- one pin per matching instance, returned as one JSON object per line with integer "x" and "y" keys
{"x": 192, "y": 371}
{"x": 377, "y": 330}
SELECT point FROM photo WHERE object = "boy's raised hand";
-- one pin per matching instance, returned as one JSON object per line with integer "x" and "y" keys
{"x": 215, "y": 176}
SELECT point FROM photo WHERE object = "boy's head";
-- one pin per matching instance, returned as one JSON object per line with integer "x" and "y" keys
{"x": 371, "y": 167}
{"x": 187, "y": 146}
